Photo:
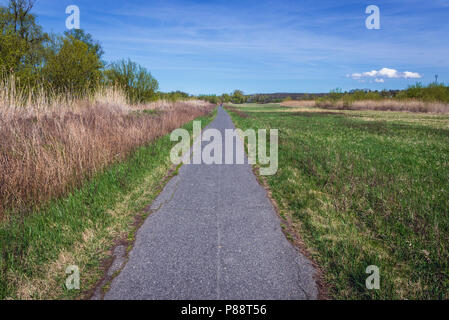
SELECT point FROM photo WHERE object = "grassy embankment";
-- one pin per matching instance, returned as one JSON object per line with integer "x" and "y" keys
{"x": 364, "y": 188}
{"x": 74, "y": 180}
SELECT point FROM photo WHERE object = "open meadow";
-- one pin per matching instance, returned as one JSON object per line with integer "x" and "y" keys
{"x": 363, "y": 188}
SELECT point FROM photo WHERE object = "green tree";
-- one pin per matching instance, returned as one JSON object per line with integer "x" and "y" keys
{"x": 81, "y": 35}
{"x": 173, "y": 96}
{"x": 226, "y": 98}
{"x": 73, "y": 67}
{"x": 137, "y": 81}
{"x": 12, "y": 50}
{"x": 238, "y": 97}
{"x": 21, "y": 40}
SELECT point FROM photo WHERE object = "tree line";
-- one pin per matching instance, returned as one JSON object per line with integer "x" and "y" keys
{"x": 237, "y": 96}
{"x": 432, "y": 92}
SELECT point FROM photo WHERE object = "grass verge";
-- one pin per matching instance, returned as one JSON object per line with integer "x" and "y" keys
{"x": 81, "y": 228}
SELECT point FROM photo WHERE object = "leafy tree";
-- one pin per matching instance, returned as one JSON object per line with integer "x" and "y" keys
{"x": 21, "y": 41}
{"x": 238, "y": 97}
{"x": 73, "y": 67}
{"x": 226, "y": 98}
{"x": 81, "y": 35}
{"x": 432, "y": 92}
{"x": 210, "y": 98}
{"x": 137, "y": 81}
{"x": 12, "y": 50}
{"x": 173, "y": 96}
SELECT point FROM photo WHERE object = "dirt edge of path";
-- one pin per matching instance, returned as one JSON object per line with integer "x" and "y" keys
{"x": 295, "y": 239}
{"x": 116, "y": 261}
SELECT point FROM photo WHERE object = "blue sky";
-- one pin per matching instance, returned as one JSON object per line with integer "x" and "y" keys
{"x": 267, "y": 46}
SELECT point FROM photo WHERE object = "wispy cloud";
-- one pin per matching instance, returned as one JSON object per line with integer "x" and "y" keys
{"x": 266, "y": 45}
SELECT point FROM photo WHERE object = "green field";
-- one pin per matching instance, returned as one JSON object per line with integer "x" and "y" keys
{"x": 364, "y": 188}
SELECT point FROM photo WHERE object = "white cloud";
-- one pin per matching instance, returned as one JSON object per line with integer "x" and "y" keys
{"x": 383, "y": 73}
{"x": 386, "y": 72}
{"x": 412, "y": 75}
{"x": 372, "y": 73}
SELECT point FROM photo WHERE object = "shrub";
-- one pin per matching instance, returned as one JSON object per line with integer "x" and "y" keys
{"x": 81, "y": 35}
{"x": 238, "y": 97}
{"x": 138, "y": 83}
{"x": 434, "y": 92}
{"x": 74, "y": 68}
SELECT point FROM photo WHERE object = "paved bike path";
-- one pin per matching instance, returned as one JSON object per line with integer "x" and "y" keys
{"x": 214, "y": 235}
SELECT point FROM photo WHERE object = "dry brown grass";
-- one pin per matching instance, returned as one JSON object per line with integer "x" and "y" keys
{"x": 48, "y": 148}
{"x": 238, "y": 111}
{"x": 298, "y": 103}
{"x": 387, "y": 105}
{"x": 376, "y": 105}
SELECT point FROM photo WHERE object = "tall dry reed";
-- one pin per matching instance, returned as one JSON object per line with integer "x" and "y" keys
{"x": 377, "y": 105}
{"x": 48, "y": 146}
{"x": 298, "y": 103}
{"x": 387, "y": 105}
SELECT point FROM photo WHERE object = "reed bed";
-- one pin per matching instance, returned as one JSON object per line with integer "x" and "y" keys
{"x": 387, "y": 105}
{"x": 376, "y": 105}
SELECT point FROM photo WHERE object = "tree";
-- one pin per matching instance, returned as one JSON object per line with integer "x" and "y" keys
{"x": 12, "y": 50}
{"x": 17, "y": 18}
{"x": 238, "y": 97}
{"x": 73, "y": 68}
{"x": 21, "y": 39}
{"x": 137, "y": 81}
{"x": 81, "y": 35}
{"x": 173, "y": 96}
{"x": 226, "y": 98}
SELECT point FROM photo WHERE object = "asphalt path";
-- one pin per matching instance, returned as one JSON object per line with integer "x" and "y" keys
{"x": 214, "y": 234}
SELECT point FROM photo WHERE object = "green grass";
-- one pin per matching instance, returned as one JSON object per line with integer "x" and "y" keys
{"x": 81, "y": 228}
{"x": 365, "y": 188}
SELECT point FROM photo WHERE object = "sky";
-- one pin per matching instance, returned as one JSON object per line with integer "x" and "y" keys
{"x": 214, "y": 47}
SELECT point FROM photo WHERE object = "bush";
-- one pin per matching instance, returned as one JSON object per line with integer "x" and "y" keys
{"x": 238, "y": 97}
{"x": 138, "y": 83}
{"x": 12, "y": 49}
{"x": 81, "y": 35}
{"x": 173, "y": 96}
{"x": 434, "y": 92}
{"x": 22, "y": 41}
{"x": 73, "y": 68}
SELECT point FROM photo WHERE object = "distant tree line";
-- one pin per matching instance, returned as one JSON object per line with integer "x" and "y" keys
{"x": 237, "y": 97}
{"x": 433, "y": 92}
